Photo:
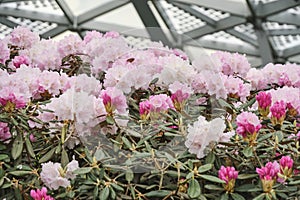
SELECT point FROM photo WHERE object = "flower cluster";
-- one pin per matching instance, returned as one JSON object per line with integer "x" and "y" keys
{"x": 229, "y": 175}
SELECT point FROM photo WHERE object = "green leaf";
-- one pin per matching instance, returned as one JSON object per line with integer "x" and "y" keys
{"x": 225, "y": 196}
{"x": 213, "y": 187}
{"x": 129, "y": 175}
{"x": 237, "y": 196}
{"x": 113, "y": 194}
{"x": 47, "y": 156}
{"x": 246, "y": 176}
{"x": 158, "y": 193}
{"x": 260, "y": 197}
{"x": 248, "y": 152}
{"x": 211, "y": 178}
{"x": 17, "y": 147}
{"x": 20, "y": 173}
{"x": 96, "y": 192}
{"x": 204, "y": 168}
{"x": 210, "y": 158}
{"x": 29, "y": 147}
{"x": 117, "y": 187}
{"x": 247, "y": 188}
{"x": 64, "y": 158}
{"x": 104, "y": 194}
{"x": 110, "y": 120}
{"x": 83, "y": 170}
{"x": 133, "y": 133}
{"x": 126, "y": 142}
{"x": 194, "y": 189}
{"x": 3, "y": 156}
{"x": 294, "y": 182}
{"x": 279, "y": 135}
{"x": 263, "y": 137}
{"x": 1, "y": 181}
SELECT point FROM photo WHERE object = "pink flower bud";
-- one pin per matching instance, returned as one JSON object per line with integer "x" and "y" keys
{"x": 40, "y": 194}
{"x": 278, "y": 111}
{"x": 264, "y": 100}
{"x": 229, "y": 175}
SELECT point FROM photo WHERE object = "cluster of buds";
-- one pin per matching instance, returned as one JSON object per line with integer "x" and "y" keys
{"x": 156, "y": 105}
{"x": 229, "y": 175}
{"x": 268, "y": 175}
{"x": 113, "y": 100}
{"x": 273, "y": 172}
{"x": 264, "y": 101}
{"x": 40, "y": 194}
{"x": 11, "y": 102}
{"x": 278, "y": 111}
{"x": 286, "y": 168}
{"x": 248, "y": 126}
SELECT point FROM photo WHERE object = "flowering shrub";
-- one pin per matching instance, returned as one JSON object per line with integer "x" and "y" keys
{"x": 99, "y": 119}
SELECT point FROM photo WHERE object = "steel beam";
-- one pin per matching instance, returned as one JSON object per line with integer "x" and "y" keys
{"x": 150, "y": 22}
{"x": 265, "y": 48}
{"x": 196, "y": 13}
{"x": 54, "y": 32}
{"x": 67, "y": 11}
{"x": 231, "y": 6}
{"x": 222, "y": 24}
{"x": 225, "y": 46}
{"x": 12, "y": 1}
{"x": 5, "y": 11}
{"x": 278, "y": 32}
{"x": 100, "y": 10}
{"x": 104, "y": 27}
{"x": 243, "y": 37}
{"x": 8, "y": 23}
{"x": 292, "y": 51}
{"x": 273, "y": 7}
{"x": 286, "y": 18}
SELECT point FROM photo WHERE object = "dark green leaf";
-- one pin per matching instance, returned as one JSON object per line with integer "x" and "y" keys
{"x": 158, "y": 193}
{"x": 129, "y": 175}
{"x": 260, "y": 197}
{"x": 213, "y": 187}
{"x": 126, "y": 142}
{"x": 29, "y": 147}
{"x": 3, "y": 156}
{"x": 279, "y": 135}
{"x": 47, "y": 156}
{"x": 64, "y": 158}
{"x": 248, "y": 152}
{"x": 20, "y": 173}
{"x": 113, "y": 194}
{"x": 210, "y": 158}
{"x": 117, "y": 187}
{"x": 247, "y": 188}
{"x": 237, "y": 196}
{"x": 204, "y": 168}
{"x": 246, "y": 176}
{"x": 83, "y": 170}
{"x": 225, "y": 196}
{"x": 17, "y": 147}
{"x": 104, "y": 194}
{"x": 211, "y": 178}
{"x": 194, "y": 189}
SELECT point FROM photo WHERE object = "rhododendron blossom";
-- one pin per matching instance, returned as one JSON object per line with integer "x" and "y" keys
{"x": 264, "y": 100}
{"x": 202, "y": 133}
{"x": 40, "y": 194}
{"x": 268, "y": 175}
{"x": 4, "y": 131}
{"x": 54, "y": 176}
{"x": 248, "y": 126}
{"x": 229, "y": 175}
{"x": 278, "y": 110}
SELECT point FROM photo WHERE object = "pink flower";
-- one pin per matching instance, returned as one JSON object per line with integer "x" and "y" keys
{"x": 4, "y": 131}
{"x": 10, "y": 101}
{"x": 19, "y": 60}
{"x": 145, "y": 108}
{"x": 180, "y": 54}
{"x": 180, "y": 93}
{"x": 248, "y": 125}
{"x": 268, "y": 175}
{"x": 90, "y": 35}
{"x": 111, "y": 34}
{"x": 286, "y": 168}
{"x": 114, "y": 99}
{"x": 227, "y": 174}
{"x": 4, "y": 52}
{"x": 23, "y": 37}
{"x": 269, "y": 172}
{"x": 278, "y": 110}
{"x": 160, "y": 103}
{"x": 71, "y": 44}
{"x": 264, "y": 99}
{"x": 264, "y": 102}
{"x": 40, "y": 194}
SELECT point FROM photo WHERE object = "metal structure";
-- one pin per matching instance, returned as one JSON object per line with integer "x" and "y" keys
{"x": 265, "y": 30}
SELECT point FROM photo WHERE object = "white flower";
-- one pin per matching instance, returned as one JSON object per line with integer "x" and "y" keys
{"x": 201, "y": 133}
